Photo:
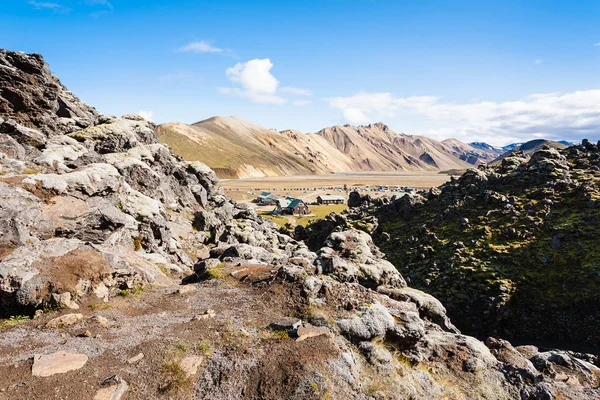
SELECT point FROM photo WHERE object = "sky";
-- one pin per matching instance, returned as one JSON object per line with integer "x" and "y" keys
{"x": 494, "y": 71}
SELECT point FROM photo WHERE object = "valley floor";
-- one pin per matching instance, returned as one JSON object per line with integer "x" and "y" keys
{"x": 308, "y": 187}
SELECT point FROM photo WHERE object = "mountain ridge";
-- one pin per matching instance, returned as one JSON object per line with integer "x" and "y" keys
{"x": 238, "y": 148}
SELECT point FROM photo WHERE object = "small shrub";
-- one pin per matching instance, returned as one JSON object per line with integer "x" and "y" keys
{"x": 174, "y": 379}
{"x": 181, "y": 346}
{"x": 281, "y": 335}
{"x": 137, "y": 243}
{"x": 137, "y": 290}
{"x": 204, "y": 347}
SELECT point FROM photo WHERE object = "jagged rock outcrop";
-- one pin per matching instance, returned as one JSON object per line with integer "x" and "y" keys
{"x": 34, "y": 98}
{"x": 106, "y": 210}
{"x": 92, "y": 204}
{"x": 508, "y": 249}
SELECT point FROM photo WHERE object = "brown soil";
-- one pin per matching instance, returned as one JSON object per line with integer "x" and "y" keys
{"x": 78, "y": 264}
{"x": 37, "y": 189}
{"x": 159, "y": 323}
{"x": 4, "y": 251}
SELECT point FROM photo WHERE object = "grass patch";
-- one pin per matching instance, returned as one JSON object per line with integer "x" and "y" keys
{"x": 277, "y": 219}
{"x": 99, "y": 306}
{"x": 318, "y": 212}
{"x": 14, "y": 320}
{"x": 173, "y": 378}
{"x": 138, "y": 290}
{"x": 216, "y": 272}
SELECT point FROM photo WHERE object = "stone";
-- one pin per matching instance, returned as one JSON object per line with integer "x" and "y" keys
{"x": 100, "y": 320}
{"x": 135, "y": 359}
{"x": 186, "y": 289}
{"x": 57, "y": 363}
{"x": 308, "y": 331}
{"x": 117, "y": 389}
{"x": 374, "y": 322}
{"x": 429, "y": 307}
{"x": 22, "y": 134}
{"x": 205, "y": 315}
{"x": 352, "y": 256}
{"x": 63, "y": 300}
{"x": 190, "y": 364}
{"x": 64, "y": 321}
{"x": 285, "y": 324}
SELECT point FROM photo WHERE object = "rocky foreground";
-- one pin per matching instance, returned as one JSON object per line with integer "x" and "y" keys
{"x": 126, "y": 274}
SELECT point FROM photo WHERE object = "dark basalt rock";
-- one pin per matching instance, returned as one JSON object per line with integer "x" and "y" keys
{"x": 33, "y": 97}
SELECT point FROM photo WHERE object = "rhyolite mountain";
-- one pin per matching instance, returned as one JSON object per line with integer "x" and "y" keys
{"x": 237, "y": 148}
{"x": 128, "y": 274}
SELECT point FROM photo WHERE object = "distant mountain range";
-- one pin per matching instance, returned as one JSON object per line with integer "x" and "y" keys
{"x": 236, "y": 148}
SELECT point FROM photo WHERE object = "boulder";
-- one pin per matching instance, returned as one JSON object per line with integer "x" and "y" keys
{"x": 352, "y": 256}
{"x": 45, "y": 365}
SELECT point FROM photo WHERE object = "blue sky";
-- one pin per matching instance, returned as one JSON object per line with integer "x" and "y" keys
{"x": 500, "y": 71}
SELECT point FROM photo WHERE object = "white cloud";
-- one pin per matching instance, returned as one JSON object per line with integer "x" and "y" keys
{"x": 105, "y": 3}
{"x": 55, "y": 7}
{"x": 597, "y": 44}
{"x": 201, "y": 46}
{"x": 301, "y": 103}
{"x": 256, "y": 81}
{"x": 569, "y": 116}
{"x": 539, "y": 61}
{"x": 146, "y": 114}
{"x": 296, "y": 91}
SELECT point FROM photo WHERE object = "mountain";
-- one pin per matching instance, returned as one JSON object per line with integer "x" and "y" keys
{"x": 236, "y": 148}
{"x": 486, "y": 147}
{"x": 528, "y": 148}
{"x": 125, "y": 272}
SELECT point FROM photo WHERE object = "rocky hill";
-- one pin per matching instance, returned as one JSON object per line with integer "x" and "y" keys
{"x": 510, "y": 249}
{"x": 528, "y": 148}
{"x": 242, "y": 149}
{"x": 126, "y": 274}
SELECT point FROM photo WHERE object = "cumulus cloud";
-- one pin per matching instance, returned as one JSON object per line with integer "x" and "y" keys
{"x": 569, "y": 116}
{"x": 597, "y": 44}
{"x": 539, "y": 61}
{"x": 255, "y": 80}
{"x": 201, "y": 46}
{"x": 296, "y": 91}
{"x": 147, "y": 115}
